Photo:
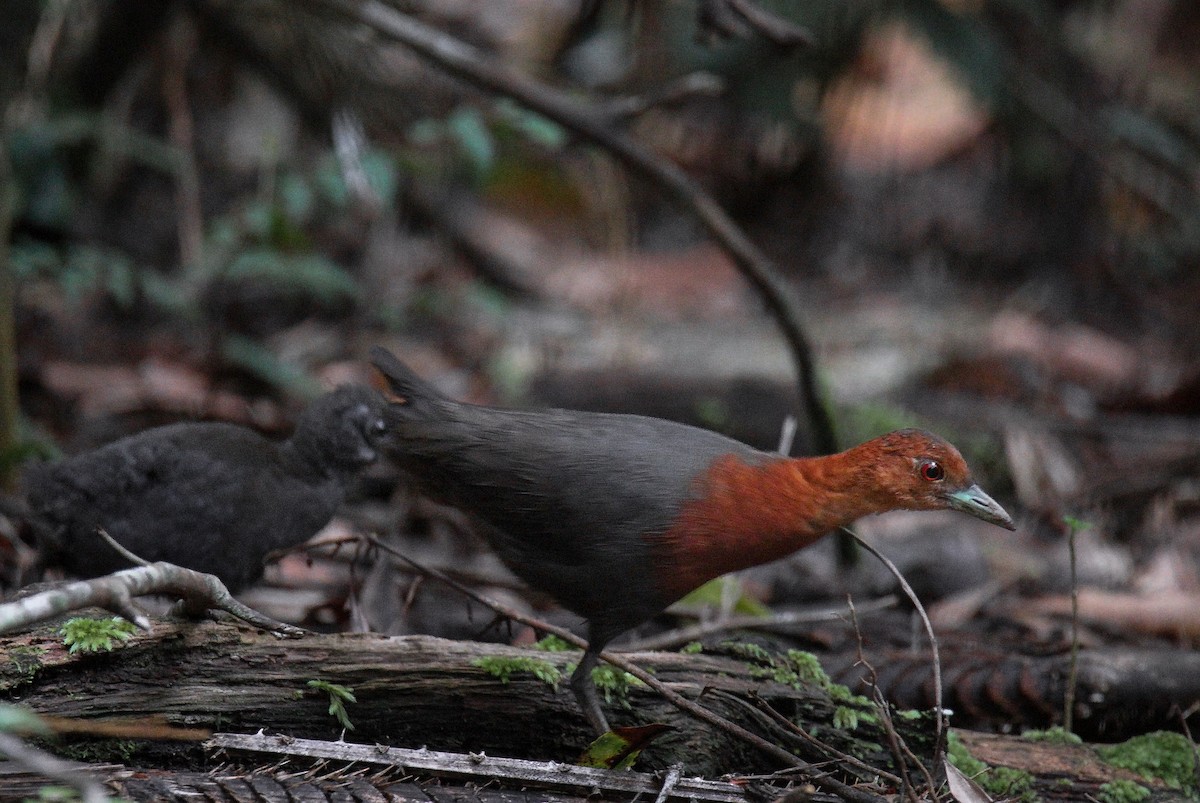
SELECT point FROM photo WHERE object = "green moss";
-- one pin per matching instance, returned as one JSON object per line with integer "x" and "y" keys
{"x": 504, "y": 668}
{"x": 1165, "y": 756}
{"x": 692, "y": 648}
{"x": 85, "y": 634}
{"x": 615, "y": 684}
{"x": 1055, "y": 735}
{"x": 553, "y": 643}
{"x": 1122, "y": 791}
{"x": 26, "y": 661}
{"x": 1006, "y": 782}
{"x": 799, "y": 670}
{"x": 960, "y": 757}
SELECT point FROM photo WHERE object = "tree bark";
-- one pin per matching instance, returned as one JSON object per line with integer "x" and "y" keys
{"x": 411, "y": 691}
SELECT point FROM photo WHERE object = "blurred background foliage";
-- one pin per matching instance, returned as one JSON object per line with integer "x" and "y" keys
{"x": 198, "y": 178}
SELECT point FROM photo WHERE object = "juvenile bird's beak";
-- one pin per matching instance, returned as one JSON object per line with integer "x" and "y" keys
{"x": 973, "y": 501}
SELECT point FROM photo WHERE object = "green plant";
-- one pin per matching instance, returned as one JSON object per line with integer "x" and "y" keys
{"x": 1005, "y": 782}
{"x": 1122, "y": 791}
{"x": 553, "y": 643}
{"x": 1055, "y": 735}
{"x": 1074, "y": 527}
{"x": 85, "y": 634}
{"x": 1165, "y": 756}
{"x": 614, "y": 683}
{"x": 503, "y": 668}
{"x": 338, "y": 697}
{"x": 710, "y": 595}
{"x": 797, "y": 669}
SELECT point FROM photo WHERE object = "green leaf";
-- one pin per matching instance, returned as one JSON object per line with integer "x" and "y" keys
{"x": 467, "y": 128}
{"x": 533, "y": 126}
{"x": 339, "y": 695}
{"x": 619, "y": 748}
{"x": 310, "y": 274}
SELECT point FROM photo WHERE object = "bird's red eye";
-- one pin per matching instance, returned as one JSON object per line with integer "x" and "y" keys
{"x": 932, "y": 470}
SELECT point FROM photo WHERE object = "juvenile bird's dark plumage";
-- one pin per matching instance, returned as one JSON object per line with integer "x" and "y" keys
{"x": 618, "y": 516}
{"x": 213, "y": 497}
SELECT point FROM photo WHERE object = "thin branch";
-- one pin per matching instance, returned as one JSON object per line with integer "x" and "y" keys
{"x": 722, "y": 14}
{"x": 589, "y": 122}
{"x": 773, "y": 622}
{"x": 181, "y": 46}
{"x": 1073, "y": 670}
{"x": 838, "y": 788}
{"x": 939, "y": 747}
{"x": 693, "y": 85}
{"x": 199, "y": 592}
{"x": 807, "y": 738}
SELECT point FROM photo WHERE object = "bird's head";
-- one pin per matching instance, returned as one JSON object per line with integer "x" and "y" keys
{"x": 917, "y": 470}
{"x": 342, "y": 429}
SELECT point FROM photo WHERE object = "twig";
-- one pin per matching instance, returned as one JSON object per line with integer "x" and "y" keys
{"x": 817, "y": 744}
{"x": 773, "y": 622}
{"x": 121, "y": 550}
{"x": 589, "y": 122}
{"x": 115, "y": 592}
{"x": 52, "y": 768}
{"x": 696, "y": 84}
{"x": 889, "y": 727}
{"x": 181, "y": 45}
{"x": 670, "y": 781}
{"x": 770, "y": 26}
{"x": 939, "y": 747}
{"x": 844, "y": 791}
{"x": 1073, "y": 668}
{"x": 1187, "y": 731}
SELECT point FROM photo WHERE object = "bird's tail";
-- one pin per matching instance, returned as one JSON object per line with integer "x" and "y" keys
{"x": 404, "y": 387}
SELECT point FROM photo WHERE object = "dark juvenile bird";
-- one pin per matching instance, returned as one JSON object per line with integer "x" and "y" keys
{"x": 210, "y": 496}
{"x": 618, "y": 516}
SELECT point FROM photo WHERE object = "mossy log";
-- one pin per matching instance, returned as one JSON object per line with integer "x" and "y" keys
{"x": 416, "y": 691}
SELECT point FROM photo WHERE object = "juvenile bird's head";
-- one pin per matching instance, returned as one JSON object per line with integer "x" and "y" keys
{"x": 917, "y": 470}
{"x": 341, "y": 430}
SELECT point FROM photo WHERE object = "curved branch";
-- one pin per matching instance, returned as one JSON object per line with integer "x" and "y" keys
{"x": 475, "y": 67}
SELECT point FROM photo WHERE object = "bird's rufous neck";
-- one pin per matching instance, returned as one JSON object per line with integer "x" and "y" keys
{"x": 742, "y": 515}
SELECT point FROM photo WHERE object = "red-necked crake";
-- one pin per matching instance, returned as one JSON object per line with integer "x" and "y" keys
{"x": 618, "y": 516}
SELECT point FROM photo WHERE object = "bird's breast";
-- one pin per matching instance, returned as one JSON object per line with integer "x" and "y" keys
{"x": 738, "y": 515}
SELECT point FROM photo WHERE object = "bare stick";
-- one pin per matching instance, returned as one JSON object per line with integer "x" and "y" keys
{"x": 817, "y": 744}
{"x": 939, "y": 747}
{"x": 115, "y": 592}
{"x": 121, "y": 550}
{"x": 591, "y": 123}
{"x": 1073, "y": 670}
{"x": 774, "y": 622}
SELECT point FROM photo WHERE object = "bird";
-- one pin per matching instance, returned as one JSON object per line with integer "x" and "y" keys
{"x": 616, "y": 516}
{"x": 211, "y": 496}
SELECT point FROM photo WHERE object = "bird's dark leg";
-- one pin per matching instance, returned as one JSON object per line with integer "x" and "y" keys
{"x": 585, "y": 688}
